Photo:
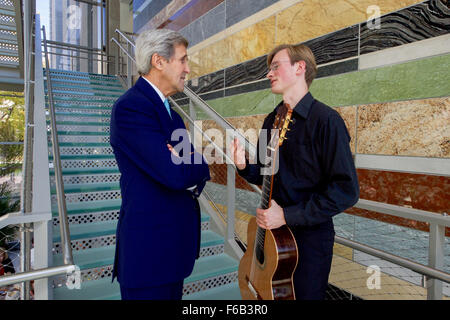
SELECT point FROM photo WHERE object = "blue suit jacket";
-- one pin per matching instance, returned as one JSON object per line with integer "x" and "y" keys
{"x": 158, "y": 232}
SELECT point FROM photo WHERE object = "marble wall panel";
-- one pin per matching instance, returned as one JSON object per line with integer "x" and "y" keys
{"x": 214, "y": 58}
{"x": 312, "y": 18}
{"x": 348, "y": 114}
{"x": 207, "y": 25}
{"x": 160, "y": 17}
{"x": 248, "y": 71}
{"x": 422, "y": 21}
{"x": 337, "y": 68}
{"x": 244, "y": 45}
{"x": 424, "y": 78}
{"x": 147, "y": 14}
{"x": 210, "y": 82}
{"x": 408, "y": 128}
{"x": 189, "y": 13}
{"x": 238, "y": 10}
{"x": 252, "y": 103}
{"x": 253, "y": 41}
{"x": 335, "y": 46}
{"x": 418, "y": 191}
{"x": 248, "y": 87}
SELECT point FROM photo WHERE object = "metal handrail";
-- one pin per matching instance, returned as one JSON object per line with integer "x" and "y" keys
{"x": 125, "y": 37}
{"x": 36, "y": 274}
{"x": 62, "y": 208}
{"x": 420, "y": 268}
{"x": 123, "y": 49}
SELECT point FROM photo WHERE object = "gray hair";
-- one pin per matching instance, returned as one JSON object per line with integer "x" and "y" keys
{"x": 160, "y": 41}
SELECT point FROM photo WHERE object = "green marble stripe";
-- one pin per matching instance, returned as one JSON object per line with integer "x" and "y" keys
{"x": 425, "y": 78}
{"x": 419, "y": 79}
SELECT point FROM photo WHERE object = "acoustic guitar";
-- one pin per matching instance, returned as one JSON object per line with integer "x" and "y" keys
{"x": 266, "y": 270}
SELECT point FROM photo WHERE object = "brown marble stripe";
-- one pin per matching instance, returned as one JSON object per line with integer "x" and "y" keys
{"x": 418, "y": 191}
{"x": 189, "y": 13}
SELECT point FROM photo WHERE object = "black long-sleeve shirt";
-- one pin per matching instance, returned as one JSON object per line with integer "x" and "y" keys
{"x": 316, "y": 178}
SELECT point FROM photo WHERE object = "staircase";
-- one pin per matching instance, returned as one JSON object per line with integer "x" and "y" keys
{"x": 11, "y": 46}
{"x": 83, "y": 104}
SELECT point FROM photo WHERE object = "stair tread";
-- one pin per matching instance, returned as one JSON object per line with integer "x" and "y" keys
{"x": 87, "y": 230}
{"x": 80, "y": 123}
{"x": 82, "y": 114}
{"x": 88, "y": 82}
{"x": 86, "y": 93}
{"x": 101, "y": 289}
{"x": 228, "y": 291}
{"x": 84, "y": 171}
{"x": 104, "y": 256}
{"x": 211, "y": 266}
{"x": 82, "y": 133}
{"x": 89, "y": 258}
{"x": 89, "y": 206}
{"x": 89, "y": 187}
{"x": 82, "y": 107}
{"x": 52, "y": 70}
{"x": 85, "y": 157}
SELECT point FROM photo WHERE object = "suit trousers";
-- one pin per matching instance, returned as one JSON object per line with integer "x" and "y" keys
{"x": 315, "y": 248}
{"x": 171, "y": 291}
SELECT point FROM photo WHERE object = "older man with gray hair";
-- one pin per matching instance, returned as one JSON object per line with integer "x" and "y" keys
{"x": 158, "y": 232}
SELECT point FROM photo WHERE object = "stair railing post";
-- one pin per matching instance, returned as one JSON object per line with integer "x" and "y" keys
{"x": 62, "y": 208}
{"x": 129, "y": 69}
{"x": 43, "y": 240}
{"x": 192, "y": 129}
{"x": 26, "y": 229}
{"x": 231, "y": 202}
{"x": 435, "y": 259}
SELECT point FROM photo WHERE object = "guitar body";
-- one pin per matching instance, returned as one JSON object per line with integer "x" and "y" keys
{"x": 273, "y": 279}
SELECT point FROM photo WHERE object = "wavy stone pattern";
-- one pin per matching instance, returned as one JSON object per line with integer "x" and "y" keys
{"x": 252, "y": 70}
{"x": 422, "y": 21}
{"x": 335, "y": 46}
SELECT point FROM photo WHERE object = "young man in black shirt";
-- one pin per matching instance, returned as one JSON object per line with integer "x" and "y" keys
{"x": 316, "y": 178}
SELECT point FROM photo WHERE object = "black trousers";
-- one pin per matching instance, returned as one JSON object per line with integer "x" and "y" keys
{"x": 315, "y": 248}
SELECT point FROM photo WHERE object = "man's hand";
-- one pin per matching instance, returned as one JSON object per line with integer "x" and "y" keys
{"x": 271, "y": 218}
{"x": 237, "y": 154}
